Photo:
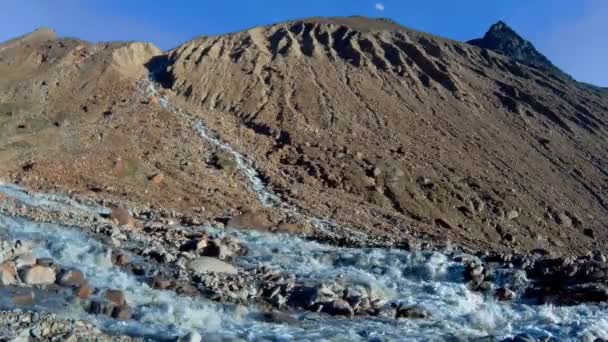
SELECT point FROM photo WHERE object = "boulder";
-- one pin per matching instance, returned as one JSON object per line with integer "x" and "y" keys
{"x": 159, "y": 283}
{"x": 26, "y": 260}
{"x": 83, "y": 291}
{"x": 197, "y": 244}
{"x": 513, "y": 214}
{"x": 564, "y": 220}
{"x": 71, "y": 278}
{"x": 504, "y": 294}
{"x": 122, "y": 216}
{"x": 119, "y": 258}
{"x": 37, "y": 275}
{"x": 412, "y": 312}
{"x": 217, "y": 249}
{"x": 250, "y": 220}
{"x": 339, "y": 307}
{"x": 115, "y": 296}
{"x": 211, "y": 265}
{"x": 8, "y": 273}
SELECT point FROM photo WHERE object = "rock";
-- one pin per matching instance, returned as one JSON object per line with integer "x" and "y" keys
{"x": 83, "y": 291}
{"x": 307, "y": 296}
{"x": 288, "y": 228}
{"x": 37, "y": 275}
{"x": 250, "y": 220}
{"x": 47, "y": 262}
{"x": 122, "y": 313}
{"x": 211, "y": 265}
{"x": 338, "y": 307}
{"x": 157, "y": 178}
{"x": 8, "y": 273}
{"x": 115, "y": 296}
{"x": 159, "y": 283}
{"x": 278, "y": 300}
{"x": 412, "y": 312}
{"x": 198, "y": 244}
{"x": 120, "y": 259}
{"x": 122, "y": 216}
{"x": 216, "y": 249}
{"x": 191, "y": 337}
{"x": 26, "y": 260}
{"x": 513, "y": 214}
{"x": 504, "y": 294}
{"x": 564, "y": 220}
{"x": 73, "y": 278}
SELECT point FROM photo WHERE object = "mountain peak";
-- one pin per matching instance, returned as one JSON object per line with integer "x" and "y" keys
{"x": 40, "y": 34}
{"x": 501, "y": 38}
{"x": 500, "y": 26}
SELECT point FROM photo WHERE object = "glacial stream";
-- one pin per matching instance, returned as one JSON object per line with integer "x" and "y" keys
{"x": 430, "y": 280}
{"x": 433, "y": 281}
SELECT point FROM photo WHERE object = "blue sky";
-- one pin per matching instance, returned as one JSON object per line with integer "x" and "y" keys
{"x": 572, "y": 33}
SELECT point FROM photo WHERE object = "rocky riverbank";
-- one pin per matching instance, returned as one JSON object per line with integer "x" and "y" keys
{"x": 145, "y": 275}
{"x": 40, "y": 326}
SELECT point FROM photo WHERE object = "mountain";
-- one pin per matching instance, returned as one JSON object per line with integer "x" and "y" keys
{"x": 389, "y": 131}
{"x": 501, "y": 39}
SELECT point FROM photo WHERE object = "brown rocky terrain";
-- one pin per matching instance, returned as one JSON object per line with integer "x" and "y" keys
{"x": 390, "y": 131}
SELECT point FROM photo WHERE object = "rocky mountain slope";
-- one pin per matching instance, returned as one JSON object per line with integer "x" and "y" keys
{"x": 389, "y": 131}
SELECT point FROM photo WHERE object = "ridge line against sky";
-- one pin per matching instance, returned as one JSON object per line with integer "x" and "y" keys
{"x": 572, "y": 34}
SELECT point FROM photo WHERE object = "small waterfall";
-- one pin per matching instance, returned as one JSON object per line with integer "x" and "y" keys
{"x": 246, "y": 166}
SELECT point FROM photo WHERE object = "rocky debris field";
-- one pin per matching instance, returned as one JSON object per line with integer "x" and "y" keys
{"x": 39, "y": 326}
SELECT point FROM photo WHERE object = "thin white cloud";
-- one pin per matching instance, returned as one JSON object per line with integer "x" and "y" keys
{"x": 379, "y": 6}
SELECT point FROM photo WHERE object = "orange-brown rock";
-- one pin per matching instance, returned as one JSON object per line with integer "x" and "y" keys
{"x": 250, "y": 220}
{"x": 115, "y": 296}
{"x": 83, "y": 291}
{"x": 122, "y": 216}
{"x": 157, "y": 178}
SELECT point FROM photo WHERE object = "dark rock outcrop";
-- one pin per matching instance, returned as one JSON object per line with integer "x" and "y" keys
{"x": 503, "y": 39}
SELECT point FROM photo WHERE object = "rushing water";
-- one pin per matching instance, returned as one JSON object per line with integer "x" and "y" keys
{"x": 431, "y": 280}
